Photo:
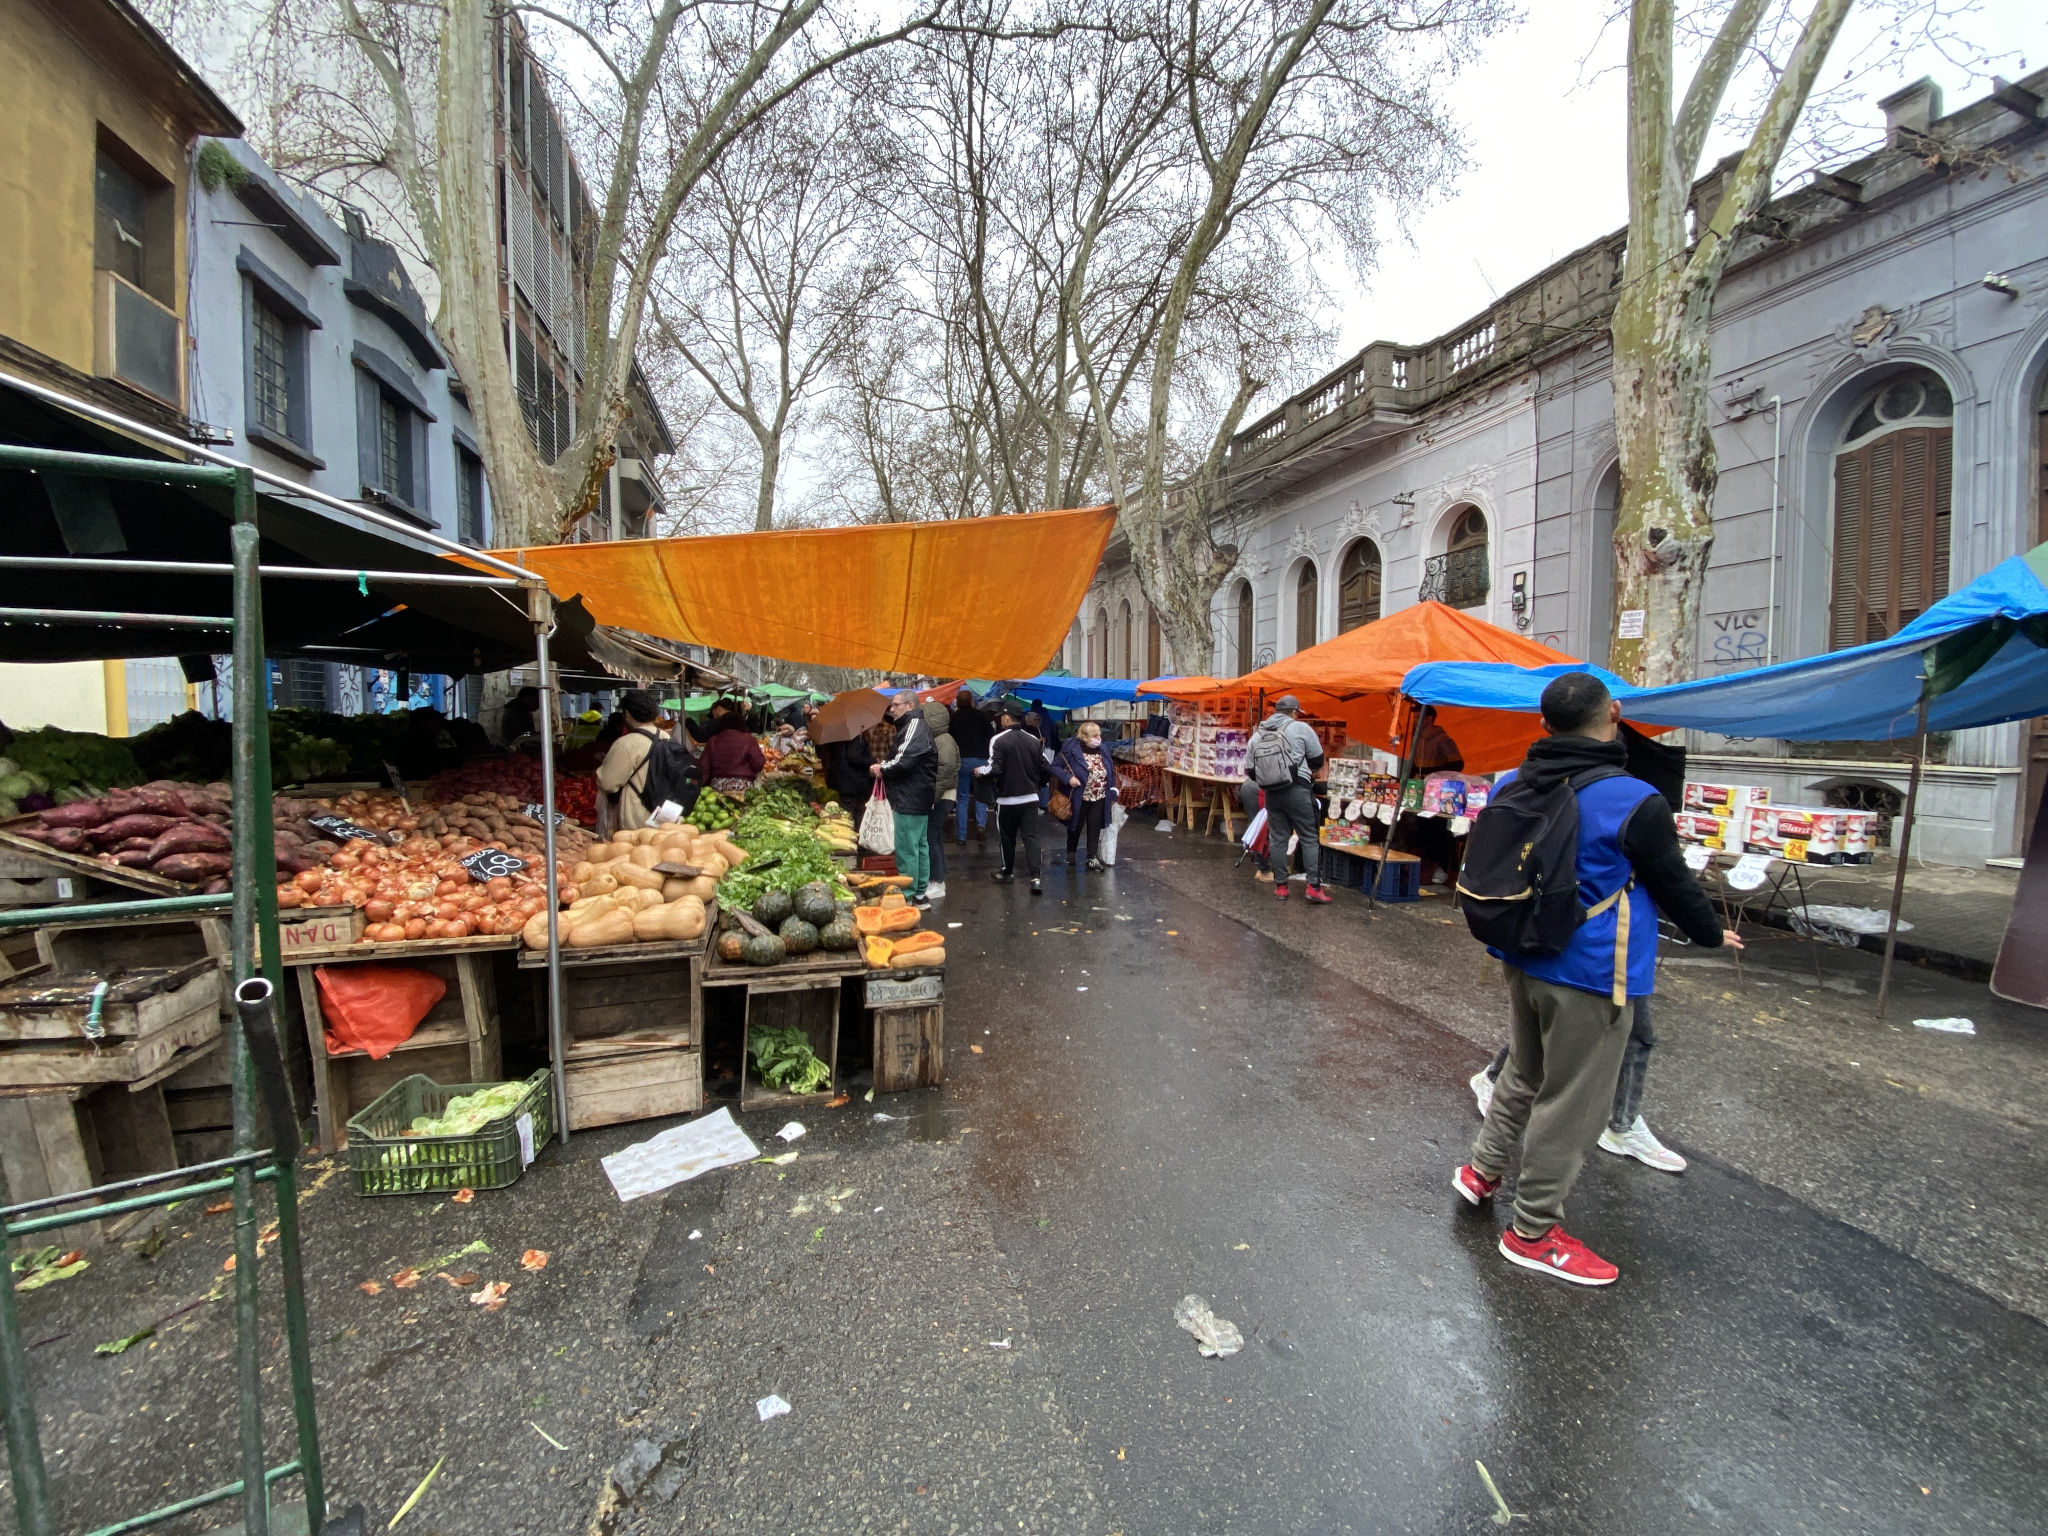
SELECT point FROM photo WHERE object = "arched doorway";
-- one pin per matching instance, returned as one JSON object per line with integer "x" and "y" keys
{"x": 1892, "y": 488}
{"x": 1305, "y": 606}
{"x": 1098, "y": 645}
{"x": 1358, "y": 586}
{"x": 1242, "y": 626}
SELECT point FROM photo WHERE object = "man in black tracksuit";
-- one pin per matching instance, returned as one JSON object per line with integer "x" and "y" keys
{"x": 1016, "y": 761}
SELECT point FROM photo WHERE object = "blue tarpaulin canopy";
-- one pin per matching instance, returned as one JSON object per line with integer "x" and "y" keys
{"x": 1980, "y": 654}
{"x": 1074, "y": 692}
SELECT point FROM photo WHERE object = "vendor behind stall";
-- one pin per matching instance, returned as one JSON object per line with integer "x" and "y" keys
{"x": 732, "y": 758}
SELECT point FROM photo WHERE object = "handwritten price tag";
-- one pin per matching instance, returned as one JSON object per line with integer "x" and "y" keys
{"x": 533, "y": 809}
{"x": 490, "y": 863}
{"x": 1750, "y": 871}
{"x": 342, "y": 830}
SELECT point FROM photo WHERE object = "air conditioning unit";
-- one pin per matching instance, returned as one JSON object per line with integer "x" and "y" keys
{"x": 137, "y": 341}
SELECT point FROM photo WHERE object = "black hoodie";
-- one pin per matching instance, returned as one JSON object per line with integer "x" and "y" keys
{"x": 1649, "y": 838}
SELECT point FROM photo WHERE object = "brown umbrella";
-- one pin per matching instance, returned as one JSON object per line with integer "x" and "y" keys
{"x": 847, "y": 715}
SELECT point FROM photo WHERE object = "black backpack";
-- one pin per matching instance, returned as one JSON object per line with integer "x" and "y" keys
{"x": 670, "y": 775}
{"x": 1520, "y": 878}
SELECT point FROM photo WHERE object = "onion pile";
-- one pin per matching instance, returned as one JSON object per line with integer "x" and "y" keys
{"x": 419, "y": 890}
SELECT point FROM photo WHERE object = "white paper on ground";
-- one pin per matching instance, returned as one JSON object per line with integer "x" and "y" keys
{"x": 1947, "y": 1026}
{"x": 791, "y": 1131}
{"x": 771, "y": 1407}
{"x": 682, "y": 1152}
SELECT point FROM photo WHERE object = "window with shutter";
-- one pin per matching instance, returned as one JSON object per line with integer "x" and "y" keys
{"x": 1305, "y": 608}
{"x": 1892, "y": 494}
{"x": 1244, "y": 626}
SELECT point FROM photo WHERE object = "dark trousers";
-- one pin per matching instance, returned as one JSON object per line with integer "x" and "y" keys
{"x": 941, "y": 818}
{"x": 1087, "y": 818}
{"x": 1291, "y": 810}
{"x": 1635, "y": 1065}
{"x": 1013, "y": 821}
{"x": 1558, "y": 1090}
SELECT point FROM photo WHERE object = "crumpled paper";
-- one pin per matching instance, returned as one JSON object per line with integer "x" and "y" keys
{"x": 1214, "y": 1335}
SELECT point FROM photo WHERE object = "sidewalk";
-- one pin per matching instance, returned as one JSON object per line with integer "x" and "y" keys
{"x": 1958, "y": 915}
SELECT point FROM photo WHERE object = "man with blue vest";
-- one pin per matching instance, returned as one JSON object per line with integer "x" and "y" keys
{"x": 1571, "y": 1009}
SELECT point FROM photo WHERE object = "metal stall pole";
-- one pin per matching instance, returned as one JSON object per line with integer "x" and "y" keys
{"x": 1905, "y": 847}
{"x": 1416, "y": 718}
{"x": 541, "y": 606}
{"x": 248, "y": 813}
{"x": 284, "y": 1137}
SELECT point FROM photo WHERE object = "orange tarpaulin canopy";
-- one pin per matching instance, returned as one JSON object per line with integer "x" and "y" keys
{"x": 975, "y": 597}
{"x": 1356, "y": 678}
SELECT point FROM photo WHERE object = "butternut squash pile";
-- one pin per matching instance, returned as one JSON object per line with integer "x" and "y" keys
{"x": 914, "y": 951}
{"x": 619, "y": 894}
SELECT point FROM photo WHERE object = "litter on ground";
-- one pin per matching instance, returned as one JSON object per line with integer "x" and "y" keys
{"x": 1213, "y": 1335}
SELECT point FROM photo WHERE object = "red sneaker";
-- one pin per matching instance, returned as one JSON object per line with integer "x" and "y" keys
{"x": 1279, "y": 890}
{"x": 1473, "y": 1185}
{"x": 1557, "y": 1253}
{"x": 1319, "y": 896}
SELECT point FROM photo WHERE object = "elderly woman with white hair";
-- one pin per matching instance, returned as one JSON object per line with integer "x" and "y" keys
{"x": 1084, "y": 771}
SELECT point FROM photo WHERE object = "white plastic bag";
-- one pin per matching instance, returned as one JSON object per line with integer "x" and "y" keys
{"x": 878, "y": 823}
{"x": 1117, "y": 817}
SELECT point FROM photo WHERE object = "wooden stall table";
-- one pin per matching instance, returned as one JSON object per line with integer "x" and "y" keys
{"x": 457, "y": 1042}
{"x": 632, "y": 1028}
{"x": 805, "y": 992}
{"x": 1205, "y": 795}
{"x": 909, "y": 1011}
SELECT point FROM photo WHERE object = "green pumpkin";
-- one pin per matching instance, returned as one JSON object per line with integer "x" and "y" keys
{"x": 798, "y": 936}
{"x": 839, "y": 935}
{"x": 814, "y": 904}
{"x": 763, "y": 949}
{"x": 771, "y": 907}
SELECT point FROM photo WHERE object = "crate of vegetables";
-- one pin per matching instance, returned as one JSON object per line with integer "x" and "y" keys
{"x": 428, "y": 1138}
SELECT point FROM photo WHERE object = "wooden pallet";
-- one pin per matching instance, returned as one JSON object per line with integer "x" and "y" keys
{"x": 63, "y": 1064}
{"x": 633, "y": 1026}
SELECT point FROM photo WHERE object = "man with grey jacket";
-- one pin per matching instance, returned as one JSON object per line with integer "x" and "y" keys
{"x": 1283, "y": 760}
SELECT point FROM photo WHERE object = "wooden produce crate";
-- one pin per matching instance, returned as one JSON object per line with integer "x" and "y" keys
{"x": 149, "y": 1015}
{"x": 633, "y": 1026}
{"x": 804, "y": 992}
{"x": 458, "y": 1042}
{"x": 25, "y": 858}
{"x": 909, "y": 1013}
{"x": 125, "y": 943}
{"x": 306, "y": 930}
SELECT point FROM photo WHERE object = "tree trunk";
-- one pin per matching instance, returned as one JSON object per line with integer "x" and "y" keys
{"x": 771, "y": 467}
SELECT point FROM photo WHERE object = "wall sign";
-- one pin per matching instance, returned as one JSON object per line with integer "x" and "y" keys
{"x": 1631, "y": 625}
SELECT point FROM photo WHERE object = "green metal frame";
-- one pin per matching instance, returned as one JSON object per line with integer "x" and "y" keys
{"x": 253, "y": 903}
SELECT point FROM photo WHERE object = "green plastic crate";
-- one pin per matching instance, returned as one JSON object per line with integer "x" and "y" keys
{"x": 383, "y": 1160}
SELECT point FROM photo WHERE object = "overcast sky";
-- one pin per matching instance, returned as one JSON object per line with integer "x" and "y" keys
{"x": 1545, "y": 135}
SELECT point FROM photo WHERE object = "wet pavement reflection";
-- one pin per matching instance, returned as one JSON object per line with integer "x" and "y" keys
{"x": 1170, "y": 1103}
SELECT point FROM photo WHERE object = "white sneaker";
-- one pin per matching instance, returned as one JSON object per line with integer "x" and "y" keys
{"x": 1638, "y": 1143}
{"x": 936, "y": 890}
{"x": 1482, "y": 1090}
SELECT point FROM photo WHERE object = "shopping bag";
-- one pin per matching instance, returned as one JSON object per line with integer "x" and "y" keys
{"x": 1060, "y": 807}
{"x": 1106, "y": 851}
{"x": 375, "y": 1008}
{"x": 878, "y": 823}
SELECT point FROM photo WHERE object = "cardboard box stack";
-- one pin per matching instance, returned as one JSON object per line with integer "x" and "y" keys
{"x": 1739, "y": 818}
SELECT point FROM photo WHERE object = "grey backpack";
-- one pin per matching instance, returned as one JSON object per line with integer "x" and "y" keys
{"x": 1271, "y": 760}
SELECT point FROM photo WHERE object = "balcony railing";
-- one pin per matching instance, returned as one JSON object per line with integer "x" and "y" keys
{"x": 1459, "y": 578}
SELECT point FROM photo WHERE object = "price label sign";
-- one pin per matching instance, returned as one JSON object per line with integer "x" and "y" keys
{"x": 533, "y": 809}
{"x": 1697, "y": 857}
{"x": 342, "y": 830}
{"x": 397, "y": 782}
{"x": 1750, "y": 871}
{"x": 490, "y": 863}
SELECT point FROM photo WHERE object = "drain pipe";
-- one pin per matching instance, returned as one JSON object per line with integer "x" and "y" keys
{"x": 1771, "y": 601}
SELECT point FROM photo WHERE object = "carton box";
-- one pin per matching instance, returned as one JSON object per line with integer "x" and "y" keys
{"x": 1798, "y": 834}
{"x": 1730, "y": 800}
{"x": 1709, "y": 831}
{"x": 1859, "y": 836}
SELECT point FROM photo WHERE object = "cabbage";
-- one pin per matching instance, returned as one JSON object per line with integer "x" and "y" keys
{"x": 16, "y": 785}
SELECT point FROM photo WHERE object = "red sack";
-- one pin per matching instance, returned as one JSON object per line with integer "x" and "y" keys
{"x": 375, "y": 1008}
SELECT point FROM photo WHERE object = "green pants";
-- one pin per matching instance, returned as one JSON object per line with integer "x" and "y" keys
{"x": 1554, "y": 1095}
{"x": 914, "y": 851}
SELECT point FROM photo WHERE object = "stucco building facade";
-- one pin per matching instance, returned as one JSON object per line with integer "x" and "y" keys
{"x": 1880, "y": 346}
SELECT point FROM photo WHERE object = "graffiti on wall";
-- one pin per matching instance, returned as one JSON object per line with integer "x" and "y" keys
{"x": 1734, "y": 640}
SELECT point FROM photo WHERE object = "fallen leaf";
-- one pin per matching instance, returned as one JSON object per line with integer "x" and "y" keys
{"x": 551, "y": 1440}
{"x": 122, "y": 1346}
{"x": 1243, "y": 1247}
{"x": 463, "y": 1196}
{"x": 492, "y": 1296}
{"x": 841, "y": 1101}
{"x": 371, "y": 1288}
{"x": 464, "y": 1281}
{"x": 533, "y": 1260}
{"x": 1173, "y": 933}
{"x": 406, "y": 1279}
{"x": 406, "y": 1508}
{"x": 225, "y": 1205}
{"x": 229, "y": 1267}
{"x": 975, "y": 1048}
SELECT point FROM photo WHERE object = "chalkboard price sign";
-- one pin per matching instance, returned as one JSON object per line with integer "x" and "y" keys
{"x": 533, "y": 809}
{"x": 490, "y": 863}
{"x": 342, "y": 830}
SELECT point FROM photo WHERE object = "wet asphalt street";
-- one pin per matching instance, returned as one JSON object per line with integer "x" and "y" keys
{"x": 1213, "y": 1114}
{"x": 1832, "y": 1323}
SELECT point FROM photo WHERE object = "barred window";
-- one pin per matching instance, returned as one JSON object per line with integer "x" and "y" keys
{"x": 272, "y": 371}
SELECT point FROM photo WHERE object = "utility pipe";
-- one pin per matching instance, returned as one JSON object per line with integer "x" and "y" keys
{"x": 1771, "y": 601}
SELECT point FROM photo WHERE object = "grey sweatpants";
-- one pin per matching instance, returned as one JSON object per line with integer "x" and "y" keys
{"x": 1554, "y": 1095}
